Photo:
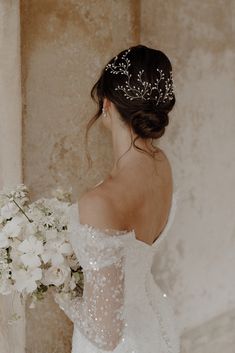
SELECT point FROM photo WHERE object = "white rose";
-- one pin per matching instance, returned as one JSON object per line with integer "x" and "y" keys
{"x": 55, "y": 275}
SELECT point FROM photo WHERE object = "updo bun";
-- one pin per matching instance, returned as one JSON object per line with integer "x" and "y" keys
{"x": 138, "y": 81}
{"x": 149, "y": 124}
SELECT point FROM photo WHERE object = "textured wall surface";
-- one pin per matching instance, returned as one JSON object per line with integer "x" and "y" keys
{"x": 213, "y": 336}
{"x": 64, "y": 46}
{"x": 10, "y": 93}
{"x": 12, "y": 337}
{"x": 198, "y": 256}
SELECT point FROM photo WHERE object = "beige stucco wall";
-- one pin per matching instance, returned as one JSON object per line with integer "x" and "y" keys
{"x": 198, "y": 261}
{"x": 12, "y": 336}
{"x": 64, "y": 46}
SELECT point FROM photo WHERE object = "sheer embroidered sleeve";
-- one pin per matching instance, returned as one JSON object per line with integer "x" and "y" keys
{"x": 98, "y": 314}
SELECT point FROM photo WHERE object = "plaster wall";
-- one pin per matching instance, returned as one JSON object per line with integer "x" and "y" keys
{"x": 198, "y": 255}
{"x": 12, "y": 335}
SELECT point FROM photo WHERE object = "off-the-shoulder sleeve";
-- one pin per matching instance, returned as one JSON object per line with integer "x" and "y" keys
{"x": 99, "y": 313}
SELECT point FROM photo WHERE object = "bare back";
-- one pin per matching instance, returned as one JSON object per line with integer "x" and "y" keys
{"x": 142, "y": 197}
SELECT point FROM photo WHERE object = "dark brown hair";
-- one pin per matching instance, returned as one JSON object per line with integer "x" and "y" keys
{"x": 144, "y": 117}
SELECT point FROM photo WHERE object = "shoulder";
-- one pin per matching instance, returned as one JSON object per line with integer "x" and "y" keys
{"x": 98, "y": 210}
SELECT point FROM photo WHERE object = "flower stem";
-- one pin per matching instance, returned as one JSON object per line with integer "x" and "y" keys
{"x": 21, "y": 209}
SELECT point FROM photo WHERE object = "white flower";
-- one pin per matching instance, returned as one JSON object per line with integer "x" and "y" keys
{"x": 73, "y": 262}
{"x": 31, "y": 248}
{"x": 15, "y": 227}
{"x": 30, "y": 228}
{"x": 15, "y": 254}
{"x": 54, "y": 251}
{"x": 25, "y": 279}
{"x": 62, "y": 195}
{"x": 51, "y": 234}
{"x": 4, "y": 241}
{"x": 56, "y": 275}
{"x": 9, "y": 210}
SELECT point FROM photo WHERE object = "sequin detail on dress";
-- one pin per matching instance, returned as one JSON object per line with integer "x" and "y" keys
{"x": 122, "y": 309}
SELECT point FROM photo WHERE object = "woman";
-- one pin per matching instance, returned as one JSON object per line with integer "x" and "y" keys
{"x": 116, "y": 225}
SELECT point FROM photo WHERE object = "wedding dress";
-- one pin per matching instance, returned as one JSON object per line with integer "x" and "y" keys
{"x": 122, "y": 310}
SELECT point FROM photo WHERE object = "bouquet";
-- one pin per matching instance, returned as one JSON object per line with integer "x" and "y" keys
{"x": 35, "y": 252}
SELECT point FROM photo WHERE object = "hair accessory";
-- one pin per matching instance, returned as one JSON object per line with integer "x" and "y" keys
{"x": 145, "y": 89}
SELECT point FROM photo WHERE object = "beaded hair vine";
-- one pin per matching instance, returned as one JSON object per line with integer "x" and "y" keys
{"x": 144, "y": 89}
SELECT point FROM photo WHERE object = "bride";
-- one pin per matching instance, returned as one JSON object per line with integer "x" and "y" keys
{"x": 117, "y": 225}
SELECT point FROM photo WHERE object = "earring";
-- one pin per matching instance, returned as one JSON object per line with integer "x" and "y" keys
{"x": 104, "y": 112}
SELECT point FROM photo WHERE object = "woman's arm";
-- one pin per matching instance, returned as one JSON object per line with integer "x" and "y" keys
{"x": 99, "y": 313}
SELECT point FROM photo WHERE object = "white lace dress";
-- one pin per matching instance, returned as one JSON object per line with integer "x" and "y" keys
{"x": 122, "y": 310}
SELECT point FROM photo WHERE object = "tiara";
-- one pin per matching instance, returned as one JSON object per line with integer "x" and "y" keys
{"x": 144, "y": 89}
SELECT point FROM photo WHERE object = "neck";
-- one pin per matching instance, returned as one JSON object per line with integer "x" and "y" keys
{"x": 123, "y": 153}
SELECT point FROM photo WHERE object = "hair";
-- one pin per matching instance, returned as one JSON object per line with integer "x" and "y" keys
{"x": 144, "y": 117}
